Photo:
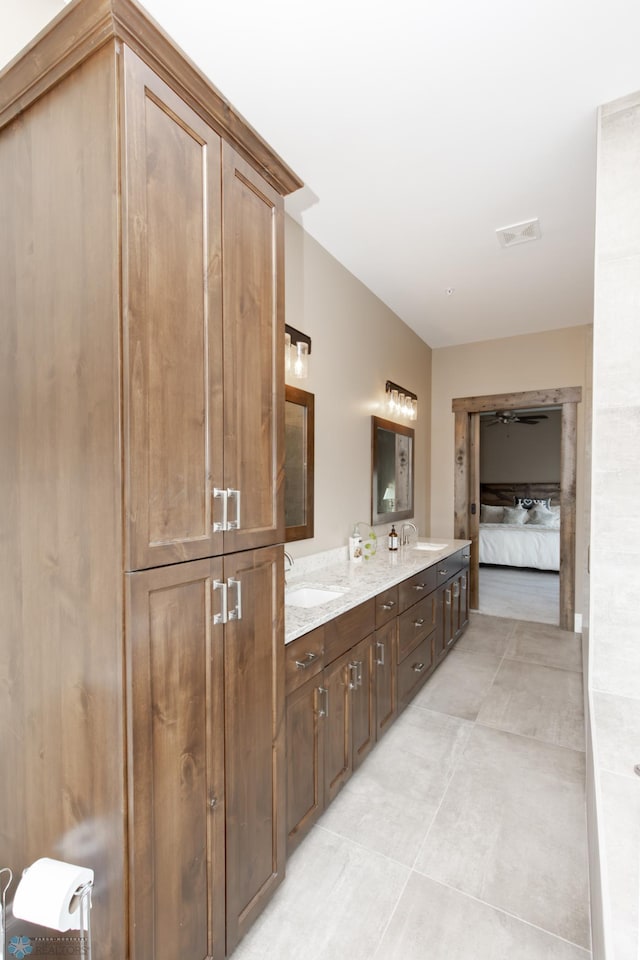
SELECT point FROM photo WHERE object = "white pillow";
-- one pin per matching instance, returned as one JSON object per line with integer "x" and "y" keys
{"x": 489, "y": 514}
{"x": 540, "y": 516}
{"x": 515, "y": 515}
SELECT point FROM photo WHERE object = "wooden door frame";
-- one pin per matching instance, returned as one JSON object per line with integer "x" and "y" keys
{"x": 467, "y": 412}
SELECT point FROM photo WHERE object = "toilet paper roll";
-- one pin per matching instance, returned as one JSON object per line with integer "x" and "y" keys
{"x": 47, "y": 891}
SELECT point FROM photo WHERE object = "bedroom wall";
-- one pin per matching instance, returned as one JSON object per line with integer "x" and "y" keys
{"x": 521, "y": 453}
{"x": 358, "y": 344}
{"x": 556, "y": 358}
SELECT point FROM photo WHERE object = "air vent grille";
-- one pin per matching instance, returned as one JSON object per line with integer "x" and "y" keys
{"x": 519, "y": 233}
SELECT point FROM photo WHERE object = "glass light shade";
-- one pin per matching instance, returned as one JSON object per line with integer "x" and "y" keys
{"x": 393, "y": 403}
{"x": 301, "y": 362}
{"x": 287, "y": 352}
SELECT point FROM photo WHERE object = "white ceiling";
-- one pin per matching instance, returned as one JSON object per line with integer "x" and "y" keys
{"x": 420, "y": 128}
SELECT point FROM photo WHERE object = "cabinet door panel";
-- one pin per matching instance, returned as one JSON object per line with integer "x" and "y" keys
{"x": 363, "y": 718}
{"x": 176, "y": 764}
{"x": 172, "y": 324}
{"x": 305, "y": 759}
{"x": 253, "y": 354}
{"x": 337, "y": 747}
{"x": 385, "y": 676}
{"x": 254, "y": 737}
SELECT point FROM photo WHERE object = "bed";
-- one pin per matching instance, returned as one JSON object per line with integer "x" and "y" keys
{"x": 533, "y": 541}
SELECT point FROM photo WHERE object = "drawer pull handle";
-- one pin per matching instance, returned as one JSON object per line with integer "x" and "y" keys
{"x": 419, "y": 586}
{"x": 388, "y": 605}
{"x": 309, "y": 658}
{"x": 464, "y": 583}
{"x": 443, "y": 573}
{"x": 456, "y": 589}
{"x": 418, "y": 667}
{"x": 466, "y": 556}
{"x": 419, "y": 623}
{"x": 353, "y": 676}
{"x": 380, "y": 648}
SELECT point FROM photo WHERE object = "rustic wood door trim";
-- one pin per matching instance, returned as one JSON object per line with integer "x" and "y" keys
{"x": 467, "y": 479}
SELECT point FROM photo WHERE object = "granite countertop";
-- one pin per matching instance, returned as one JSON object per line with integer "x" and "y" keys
{"x": 356, "y": 582}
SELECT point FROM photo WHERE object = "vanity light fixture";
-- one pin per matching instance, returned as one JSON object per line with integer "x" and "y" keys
{"x": 297, "y": 347}
{"x": 401, "y": 402}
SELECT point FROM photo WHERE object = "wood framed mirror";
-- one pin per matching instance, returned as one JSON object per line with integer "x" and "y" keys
{"x": 392, "y": 471}
{"x": 299, "y": 463}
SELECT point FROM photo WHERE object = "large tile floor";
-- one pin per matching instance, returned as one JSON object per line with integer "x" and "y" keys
{"x": 463, "y": 835}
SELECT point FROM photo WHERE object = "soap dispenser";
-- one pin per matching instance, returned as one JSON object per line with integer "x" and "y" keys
{"x": 355, "y": 545}
{"x": 393, "y": 538}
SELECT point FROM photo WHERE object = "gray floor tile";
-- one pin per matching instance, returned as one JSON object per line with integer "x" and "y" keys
{"x": 486, "y": 634}
{"x": 390, "y": 803}
{"x": 537, "y": 701}
{"x": 335, "y": 903}
{"x": 511, "y": 831}
{"x": 460, "y": 684}
{"x": 434, "y": 922}
{"x": 545, "y": 644}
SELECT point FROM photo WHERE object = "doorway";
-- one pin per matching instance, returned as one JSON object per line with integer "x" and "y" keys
{"x": 467, "y": 412}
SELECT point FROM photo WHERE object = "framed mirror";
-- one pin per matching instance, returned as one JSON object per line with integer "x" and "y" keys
{"x": 299, "y": 458}
{"x": 392, "y": 471}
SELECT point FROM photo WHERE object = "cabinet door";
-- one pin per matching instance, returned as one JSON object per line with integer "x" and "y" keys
{"x": 172, "y": 312}
{"x": 363, "y": 714}
{"x": 385, "y": 677}
{"x": 306, "y": 708}
{"x": 253, "y": 356}
{"x": 337, "y": 746}
{"x": 254, "y": 735}
{"x": 176, "y": 815}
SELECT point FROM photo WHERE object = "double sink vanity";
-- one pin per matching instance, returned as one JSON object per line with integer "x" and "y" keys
{"x": 361, "y": 640}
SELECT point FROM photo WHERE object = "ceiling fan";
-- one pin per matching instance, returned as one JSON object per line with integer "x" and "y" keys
{"x": 510, "y": 416}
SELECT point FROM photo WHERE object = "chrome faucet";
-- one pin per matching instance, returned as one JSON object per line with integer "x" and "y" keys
{"x": 404, "y": 533}
{"x": 287, "y": 556}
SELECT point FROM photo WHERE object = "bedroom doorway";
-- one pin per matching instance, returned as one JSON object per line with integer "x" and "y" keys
{"x": 467, "y": 412}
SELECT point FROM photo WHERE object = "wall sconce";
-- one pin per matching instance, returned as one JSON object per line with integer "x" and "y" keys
{"x": 401, "y": 402}
{"x": 297, "y": 347}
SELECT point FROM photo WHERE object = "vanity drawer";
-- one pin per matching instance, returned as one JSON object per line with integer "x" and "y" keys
{"x": 386, "y": 606}
{"x": 415, "y": 624}
{"x": 414, "y": 670}
{"x": 417, "y": 587}
{"x": 304, "y": 658}
{"x": 348, "y": 629}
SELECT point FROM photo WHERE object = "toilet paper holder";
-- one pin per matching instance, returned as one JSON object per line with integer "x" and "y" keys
{"x": 80, "y": 900}
{"x": 3, "y": 911}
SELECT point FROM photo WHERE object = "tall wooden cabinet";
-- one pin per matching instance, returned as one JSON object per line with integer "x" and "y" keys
{"x": 141, "y": 475}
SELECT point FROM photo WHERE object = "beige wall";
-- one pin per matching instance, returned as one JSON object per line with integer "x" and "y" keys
{"x": 357, "y": 345}
{"x": 557, "y": 358}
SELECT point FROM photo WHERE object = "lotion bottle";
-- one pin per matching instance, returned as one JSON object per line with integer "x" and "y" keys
{"x": 393, "y": 538}
{"x": 355, "y": 545}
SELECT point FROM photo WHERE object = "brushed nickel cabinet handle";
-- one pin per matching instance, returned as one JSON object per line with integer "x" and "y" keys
{"x": 353, "y": 676}
{"x": 447, "y": 597}
{"x": 418, "y": 667}
{"x": 419, "y": 586}
{"x": 463, "y": 585}
{"x": 220, "y": 525}
{"x": 380, "y": 658}
{"x": 220, "y": 586}
{"x": 419, "y": 623}
{"x": 236, "y": 613}
{"x": 234, "y": 495}
{"x": 388, "y": 605}
{"x": 309, "y": 658}
{"x": 443, "y": 573}
{"x": 324, "y": 710}
{"x": 456, "y": 590}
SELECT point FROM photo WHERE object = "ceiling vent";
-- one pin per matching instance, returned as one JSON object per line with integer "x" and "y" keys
{"x": 519, "y": 233}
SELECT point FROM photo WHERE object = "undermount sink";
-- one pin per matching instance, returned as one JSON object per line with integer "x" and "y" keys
{"x": 310, "y": 597}
{"x": 429, "y": 546}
